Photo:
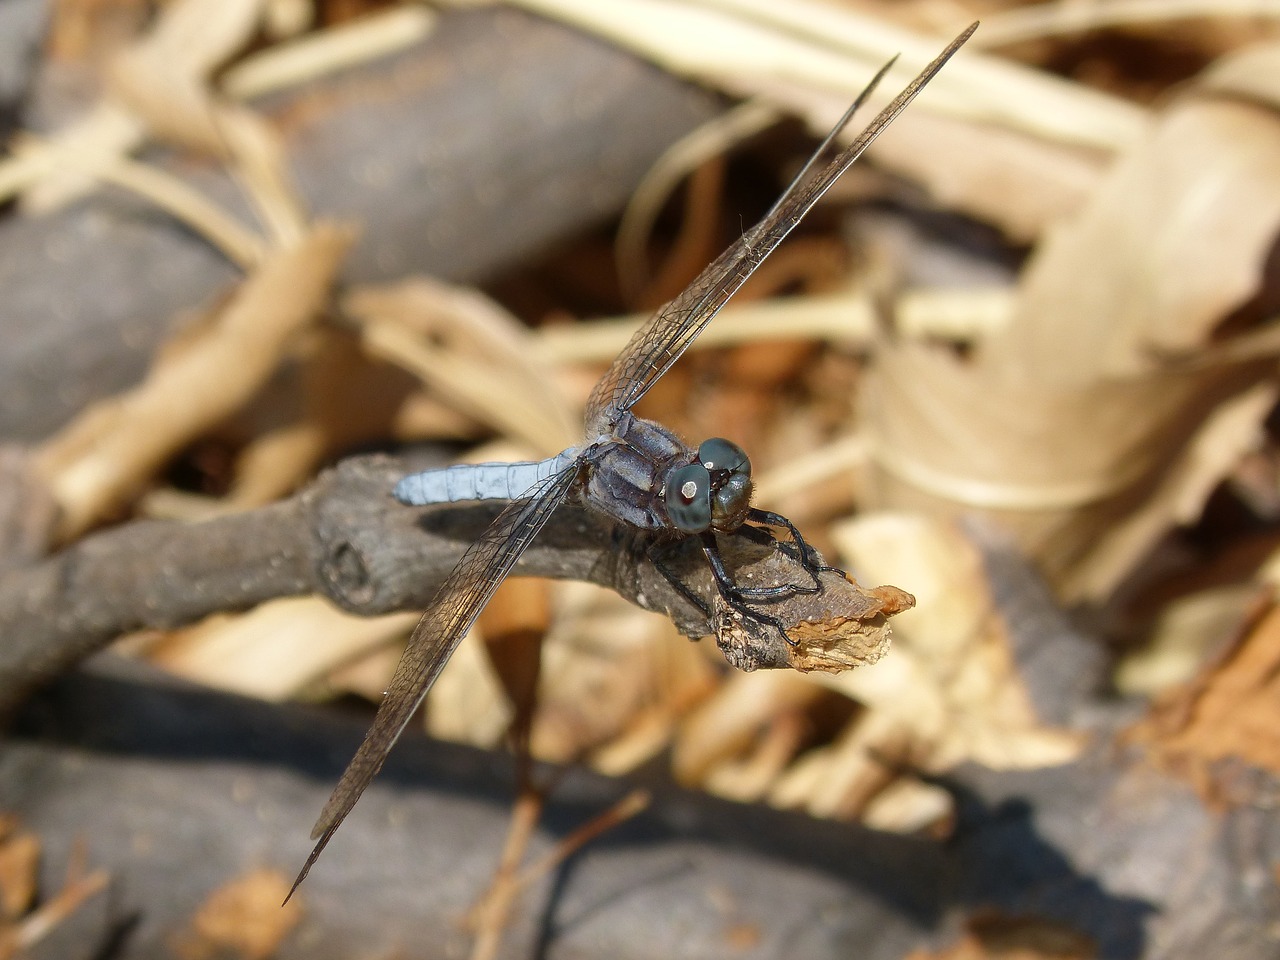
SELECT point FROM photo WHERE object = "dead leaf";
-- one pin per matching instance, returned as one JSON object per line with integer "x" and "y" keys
{"x": 992, "y": 936}
{"x": 1229, "y": 715}
{"x": 19, "y": 869}
{"x": 242, "y": 919}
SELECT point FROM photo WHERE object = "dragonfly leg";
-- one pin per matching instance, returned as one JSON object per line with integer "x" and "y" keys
{"x": 656, "y": 554}
{"x": 737, "y": 597}
{"x": 808, "y": 557}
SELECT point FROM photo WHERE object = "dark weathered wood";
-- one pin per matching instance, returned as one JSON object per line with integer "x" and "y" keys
{"x": 496, "y": 136}
{"x": 178, "y": 791}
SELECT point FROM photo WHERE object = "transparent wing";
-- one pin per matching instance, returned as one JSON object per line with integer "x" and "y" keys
{"x": 667, "y": 334}
{"x": 459, "y": 601}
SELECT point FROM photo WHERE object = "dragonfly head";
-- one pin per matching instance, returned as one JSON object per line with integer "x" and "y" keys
{"x": 713, "y": 492}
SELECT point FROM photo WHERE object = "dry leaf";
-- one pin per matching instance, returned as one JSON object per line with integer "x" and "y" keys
{"x": 1072, "y": 424}
{"x": 19, "y": 870}
{"x": 951, "y": 681}
{"x": 1172, "y": 242}
{"x": 276, "y": 650}
{"x": 1229, "y": 715}
{"x": 242, "y": 919}
{"x": 1186, "y": 632}
{"x": 1086, "y": 476}
{"x": 470, "y": 352}
{"x": 993, "y": 936}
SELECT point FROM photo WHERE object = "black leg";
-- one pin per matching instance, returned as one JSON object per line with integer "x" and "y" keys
{"x": 808, "y": 559}
{"x": 736, "y": 597}
{"x": 656, "y": 553}
{"x": 726, "y": 582}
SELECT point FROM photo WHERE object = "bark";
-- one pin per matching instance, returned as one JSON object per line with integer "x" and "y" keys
{"x": 178, "y": 791}
{"x": 345, "y": 538}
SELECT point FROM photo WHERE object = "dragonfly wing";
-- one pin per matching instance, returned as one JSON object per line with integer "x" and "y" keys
{"x": 459, "y": 601}
{"x": 669, "y": 332}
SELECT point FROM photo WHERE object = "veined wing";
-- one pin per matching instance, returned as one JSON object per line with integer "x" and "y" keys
{"x": 459, "y": 601}
{"x": 667, "y": 334}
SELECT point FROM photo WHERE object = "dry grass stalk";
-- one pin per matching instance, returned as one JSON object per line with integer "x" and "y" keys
{"x": 845, "y": 317}
{"x": 160, "y": 85}
{"x": 470, "y": 353}
{"x": 167, "y": 86}
{"x": 106, "y": 456}
{"x": 1042, "y": 20}
{"x": 22, "y": 928}
{"x": 680, "y": 160}
{"x": 316, "y": 55}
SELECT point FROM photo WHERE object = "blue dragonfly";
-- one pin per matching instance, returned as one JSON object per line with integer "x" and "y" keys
{"x": 632, "y": 470}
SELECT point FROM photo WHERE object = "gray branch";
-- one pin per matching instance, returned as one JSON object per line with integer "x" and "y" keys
{"x": 346, "y": 539}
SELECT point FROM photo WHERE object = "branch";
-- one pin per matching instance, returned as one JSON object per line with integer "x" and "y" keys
{"x": 345, "y": 538}
{"x": 184, "y": 790}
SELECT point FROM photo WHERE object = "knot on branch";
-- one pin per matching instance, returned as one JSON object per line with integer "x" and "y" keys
{"x": 362, "y": 540}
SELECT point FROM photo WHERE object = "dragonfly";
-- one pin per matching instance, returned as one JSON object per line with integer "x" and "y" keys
{"x": 632, "y": 470}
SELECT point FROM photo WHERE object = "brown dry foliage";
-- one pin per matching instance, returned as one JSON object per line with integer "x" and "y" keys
{"x": 1091, "y": 404}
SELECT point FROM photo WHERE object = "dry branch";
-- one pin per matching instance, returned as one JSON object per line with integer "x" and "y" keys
{"x": 183, "y": 790}
{"x": 346, "y": 539}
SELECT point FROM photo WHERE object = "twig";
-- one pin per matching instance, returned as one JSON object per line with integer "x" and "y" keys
{"x": 490, "y": 914}
{"x": 347, "y": 539}
{"x": 633, "y": 803}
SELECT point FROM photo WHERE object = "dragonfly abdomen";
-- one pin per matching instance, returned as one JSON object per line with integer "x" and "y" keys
{"x": 479, "y": 481}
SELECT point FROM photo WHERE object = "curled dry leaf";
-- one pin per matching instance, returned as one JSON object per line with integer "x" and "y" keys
{"x": 951, "y": 684}
{"x": 839, "y": 627}
{"x": 1086, "y": 424}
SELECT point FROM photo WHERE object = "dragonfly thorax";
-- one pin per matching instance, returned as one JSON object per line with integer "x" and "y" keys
{"x": 711, "y": 493}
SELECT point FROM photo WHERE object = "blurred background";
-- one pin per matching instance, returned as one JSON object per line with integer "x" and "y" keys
{"x": 1020, "y": 362}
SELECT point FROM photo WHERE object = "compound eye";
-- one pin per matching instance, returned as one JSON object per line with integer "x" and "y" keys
{"x": 688, "y": 498}
{"x": 718, "y": 453}
{"x": 731, "y": 502}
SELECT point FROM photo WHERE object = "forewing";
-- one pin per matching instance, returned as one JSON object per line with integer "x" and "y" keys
{"x": 667, "y": 334}
{"x": 459, "y": 601}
